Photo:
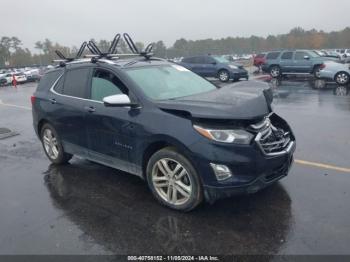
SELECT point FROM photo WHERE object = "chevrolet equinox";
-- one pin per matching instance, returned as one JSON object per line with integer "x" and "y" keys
{"x": 187, "y": 138}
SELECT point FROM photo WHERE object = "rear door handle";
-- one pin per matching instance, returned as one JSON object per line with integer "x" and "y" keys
{"x": 53, "y": 101}
{"x": 90, "y": 109}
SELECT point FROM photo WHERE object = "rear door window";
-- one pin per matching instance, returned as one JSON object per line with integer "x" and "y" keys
{"x": 300, "y": 55}
{"x": 188, "y": 60}
{"x": 76, "y": 82}
{"x": 209, "y": 60}
{"x": 200, "y": 60}
{"x": 273, "y": 55}
{"x": 287, "y": 55}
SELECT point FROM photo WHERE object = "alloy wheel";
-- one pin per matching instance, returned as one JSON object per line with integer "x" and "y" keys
{"x": 223, "y": 76}
{"x": 50, "y": 144}
{"x": 275, "y": 72}
{"x": 342, "y": 78}
{"x": 171, "y": 181}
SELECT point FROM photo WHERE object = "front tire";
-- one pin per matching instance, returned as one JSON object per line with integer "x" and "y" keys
{"x": 342, "y": 78}
{"x": 224, "y": 75}
{"x": 52, "y": 145}
{"x": 173, "y": 180}
{"x": 275, "y": 71}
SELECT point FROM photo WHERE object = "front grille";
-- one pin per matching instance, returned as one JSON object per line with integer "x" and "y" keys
{"x": 270, "y": 138}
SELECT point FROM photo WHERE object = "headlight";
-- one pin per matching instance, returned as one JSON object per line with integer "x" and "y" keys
{"x": 233, "y": 66}
{"x": 236, "y": 136}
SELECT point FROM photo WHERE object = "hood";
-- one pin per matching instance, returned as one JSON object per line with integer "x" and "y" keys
{"x": 235, "y": 64}
{"x": 241, "y": 101}
{"x": 327, "y": 58}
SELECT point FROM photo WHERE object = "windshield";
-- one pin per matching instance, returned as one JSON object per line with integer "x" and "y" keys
{"x": 169, "y": 82}
{"x": 221, "y": 59}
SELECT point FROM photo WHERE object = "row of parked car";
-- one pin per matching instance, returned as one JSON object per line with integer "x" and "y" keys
{"x": 22, "y": 75}
{"x": 289, "y": 62}
{"x": 215, "y": 66}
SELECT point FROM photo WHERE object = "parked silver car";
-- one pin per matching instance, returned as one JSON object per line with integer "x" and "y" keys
{"x": 338, "y": 72}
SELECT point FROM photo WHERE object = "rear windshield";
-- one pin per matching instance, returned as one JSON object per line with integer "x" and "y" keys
{"x": 169, "y": 82}
{"x": 272, "y": 55}
{"x": 48, "y": 80}
{"x": 260, "y": 56}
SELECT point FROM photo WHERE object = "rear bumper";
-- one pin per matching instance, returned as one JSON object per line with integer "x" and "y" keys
{"x": 265, "y": 68}
{"x": 327, "y": 74}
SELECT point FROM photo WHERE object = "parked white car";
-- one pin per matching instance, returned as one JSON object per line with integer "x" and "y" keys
{"x": 20, "y": 78}
{"x": 338, "y": 72}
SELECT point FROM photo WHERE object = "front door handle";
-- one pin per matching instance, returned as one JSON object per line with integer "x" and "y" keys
{"x": 90, "y": 109}
{"x": 53, "y": 101}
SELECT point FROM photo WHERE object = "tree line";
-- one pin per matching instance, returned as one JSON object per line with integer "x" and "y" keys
{"x": 12, "y": 52}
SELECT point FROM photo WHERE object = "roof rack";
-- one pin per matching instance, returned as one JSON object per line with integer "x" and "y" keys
{"x": 112, "y": 52}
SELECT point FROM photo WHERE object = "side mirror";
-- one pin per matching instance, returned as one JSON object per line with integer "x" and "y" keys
{"x": 306, "y": 57}
{"x": 213, "y": 63}
{"x": 118, "y": 101}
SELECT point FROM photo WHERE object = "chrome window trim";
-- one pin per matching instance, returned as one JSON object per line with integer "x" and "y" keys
{"x": 52, "y": 90}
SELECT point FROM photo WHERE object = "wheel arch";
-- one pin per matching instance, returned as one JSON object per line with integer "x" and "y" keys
{"x": 315, "y": 66}
{"x": 160, "y": 143}
{"x": 340, "y": 72}
{"x": 222, "y": 69}
{"x": 40, "y": 125}
{"x": 272, "y": 65}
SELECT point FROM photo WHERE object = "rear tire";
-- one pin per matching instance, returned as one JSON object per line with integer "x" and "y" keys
{"x": 275, "y": 71}
{"x": 316, "y": 72}
{"x": 342, "y": 78}
{"x": 53, "y": 146}
{"x": 173, "y": 180}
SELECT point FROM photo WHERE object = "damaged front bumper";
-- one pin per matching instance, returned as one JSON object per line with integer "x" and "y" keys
{"x": 262, "y": 181}
{"x": 255, "y": 166}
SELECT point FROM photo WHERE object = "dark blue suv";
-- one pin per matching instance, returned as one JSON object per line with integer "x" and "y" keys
{"x": 215, "y": 66}
{"x": 188, "y": 139}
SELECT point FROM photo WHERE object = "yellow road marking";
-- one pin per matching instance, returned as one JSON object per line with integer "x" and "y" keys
{"x": 320, "y": 165}
{"x": 17, "y": 106}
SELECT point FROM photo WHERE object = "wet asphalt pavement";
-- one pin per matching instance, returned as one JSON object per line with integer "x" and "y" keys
{"x": 85, "y": 208}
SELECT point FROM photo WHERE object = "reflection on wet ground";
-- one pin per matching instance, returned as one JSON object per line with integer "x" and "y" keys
{"x": 119, "y": 213}
{"x": 85, "y": 208}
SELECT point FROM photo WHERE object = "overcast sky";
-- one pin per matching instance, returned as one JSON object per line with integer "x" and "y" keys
{"x": 70, "y": 22}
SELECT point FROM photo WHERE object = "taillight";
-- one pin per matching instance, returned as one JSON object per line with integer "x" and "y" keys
{"x": 32, "y": 99}
{"x": 322, "y": 66}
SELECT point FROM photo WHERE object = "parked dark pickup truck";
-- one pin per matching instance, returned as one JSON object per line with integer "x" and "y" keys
{"x": 279, "y": 63}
